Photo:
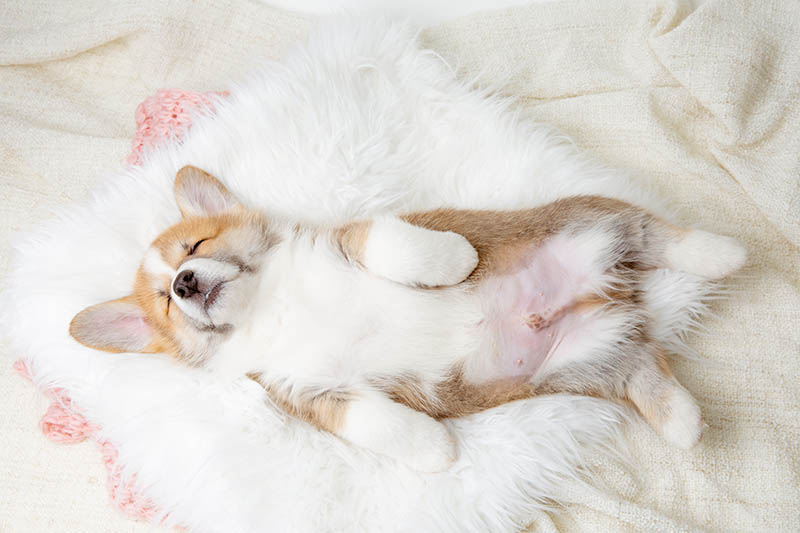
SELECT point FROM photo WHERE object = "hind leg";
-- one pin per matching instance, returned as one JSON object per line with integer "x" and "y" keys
{"x": 664, "y": 403}
{"x": 698, "y": 252}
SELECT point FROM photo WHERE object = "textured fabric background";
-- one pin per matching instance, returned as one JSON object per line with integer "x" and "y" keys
{"x": 702, "y": 106}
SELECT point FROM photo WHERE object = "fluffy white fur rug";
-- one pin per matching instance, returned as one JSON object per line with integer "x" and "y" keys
{"x": 357, "y": 120}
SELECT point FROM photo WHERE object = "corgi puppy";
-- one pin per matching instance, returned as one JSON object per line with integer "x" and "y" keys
{"x": 377, "y": 329}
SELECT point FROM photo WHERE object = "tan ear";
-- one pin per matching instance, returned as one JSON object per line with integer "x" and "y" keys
{"x": 114, "y": 326}
{"x": 199, "y": 194}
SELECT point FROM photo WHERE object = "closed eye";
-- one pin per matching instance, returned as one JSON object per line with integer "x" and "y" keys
{"x": 193, "y": 249}
{"x": 168, "y": 297}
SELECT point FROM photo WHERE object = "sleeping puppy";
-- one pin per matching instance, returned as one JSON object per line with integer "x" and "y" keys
{"x": 377, "y": 329}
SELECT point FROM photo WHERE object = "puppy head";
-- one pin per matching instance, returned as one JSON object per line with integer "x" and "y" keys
{"x": 193, "y": 285}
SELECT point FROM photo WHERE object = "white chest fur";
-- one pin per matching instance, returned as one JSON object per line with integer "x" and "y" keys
{"x": 318, "y": 321}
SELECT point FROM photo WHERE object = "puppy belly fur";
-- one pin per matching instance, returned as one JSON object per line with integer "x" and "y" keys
{"x": 548, "y": 312}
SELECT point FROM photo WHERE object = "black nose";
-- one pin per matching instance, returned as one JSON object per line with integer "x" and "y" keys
{"x": 185, "y": 284}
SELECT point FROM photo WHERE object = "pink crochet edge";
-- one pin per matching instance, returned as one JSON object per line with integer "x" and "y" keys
{"x": 161, "y": 117}
{"x": 166, "y": 115}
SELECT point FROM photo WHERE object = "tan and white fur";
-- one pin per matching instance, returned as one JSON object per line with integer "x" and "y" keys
{"x": 376, "y": 329}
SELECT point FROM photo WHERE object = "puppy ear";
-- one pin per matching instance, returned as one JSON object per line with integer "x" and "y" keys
{"x": 199, "y": 194}
{"x": 113, "y": 326}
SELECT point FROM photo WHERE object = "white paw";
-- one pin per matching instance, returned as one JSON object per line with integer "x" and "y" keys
{"x": 706, "y": 254}
{"x": 435, "y": 451}
{"x": 451, "y": 259}
{"x": 684, "y": 426}
{"x": 412, "y": 255}
{"x": 394, "y": 430}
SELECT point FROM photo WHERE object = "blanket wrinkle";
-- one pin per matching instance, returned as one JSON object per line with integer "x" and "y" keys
{"x": 749, "y": 81}
{"x": 75, "y": 33}
{"x": 598, "y": 92}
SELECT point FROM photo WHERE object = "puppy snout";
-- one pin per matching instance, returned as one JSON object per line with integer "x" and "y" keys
{"x": 185, "y": 284}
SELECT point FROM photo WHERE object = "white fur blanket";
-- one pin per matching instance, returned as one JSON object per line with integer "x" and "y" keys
{"x": 221, "y": 460}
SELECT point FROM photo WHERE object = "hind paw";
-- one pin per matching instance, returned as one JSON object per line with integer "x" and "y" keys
{"x": 684, "y": 424}
{"x": 706, "y": 254}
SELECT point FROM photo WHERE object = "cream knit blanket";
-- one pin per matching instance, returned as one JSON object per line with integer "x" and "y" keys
{"x": 703, "y": 106}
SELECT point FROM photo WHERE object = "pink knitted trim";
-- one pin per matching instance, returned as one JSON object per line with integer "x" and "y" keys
{"x": 166, "y": 115}
{"x": 159, "y": 118}
{"x": 64, "y": 423}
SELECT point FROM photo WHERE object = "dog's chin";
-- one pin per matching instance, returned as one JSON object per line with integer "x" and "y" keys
{"x": 216, "y": 294}
{"x": 216, "y": 308}
{"x": 223, "y": 305}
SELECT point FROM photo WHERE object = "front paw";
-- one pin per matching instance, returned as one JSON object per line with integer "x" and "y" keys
{"x": 435, "y": 452}
{"x": 413, "y": 255}
{"x": 394, "y": 430}
{"x": 450, "y": 262}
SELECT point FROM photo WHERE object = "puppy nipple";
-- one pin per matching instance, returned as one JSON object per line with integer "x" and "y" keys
{"x": 519, "y": 362}
{"x": 536, "y": 321}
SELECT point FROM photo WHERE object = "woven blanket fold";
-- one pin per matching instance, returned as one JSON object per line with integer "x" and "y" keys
{"x": 702, "y": 106}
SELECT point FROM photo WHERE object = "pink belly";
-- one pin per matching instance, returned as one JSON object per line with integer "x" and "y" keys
{"x": 530, "y": 314}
